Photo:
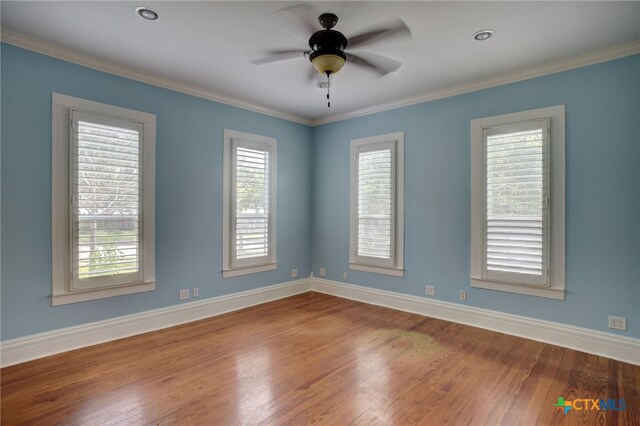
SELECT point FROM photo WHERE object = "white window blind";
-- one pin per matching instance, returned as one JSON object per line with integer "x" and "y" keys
{"x": 517, "y": 202}
{"x": 252, "y": 204}
{"x": 376, "y": 211}
{"x": 102, "y": 200}
{"x": 375, "y": 203}
{"x": 106, "y": 188}
{"x": 249, "y": 207}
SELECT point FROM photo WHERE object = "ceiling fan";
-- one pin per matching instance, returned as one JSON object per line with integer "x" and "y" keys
{"x": 327, "y": 54}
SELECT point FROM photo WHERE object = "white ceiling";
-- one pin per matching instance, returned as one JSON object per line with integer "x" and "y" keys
{"x": 209, "y": 44}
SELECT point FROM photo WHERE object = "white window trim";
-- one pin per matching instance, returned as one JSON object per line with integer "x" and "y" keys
{"x": 62, "y": 292}
{"x": 228, "y": 269}
{"x": 556, "y": 287}
{"x": 397, "y": 270}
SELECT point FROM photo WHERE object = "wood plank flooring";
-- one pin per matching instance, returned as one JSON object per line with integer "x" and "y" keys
{"x": 317, "y": 359}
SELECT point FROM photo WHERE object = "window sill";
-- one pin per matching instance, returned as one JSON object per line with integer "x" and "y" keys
{"x": 549, "y": 293}
{"x": 229, "y": 273}
{"x": 377, "y": 270}
{"x": 83, "y": 296}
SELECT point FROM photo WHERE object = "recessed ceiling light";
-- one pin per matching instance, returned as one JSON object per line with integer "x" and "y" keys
{"x": 482, "y": 35}
{"x": 322, "y": 85}
{"x": 147, "y": 13}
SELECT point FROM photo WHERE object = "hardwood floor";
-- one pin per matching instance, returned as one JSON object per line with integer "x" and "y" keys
{"x": 318, "y": 359}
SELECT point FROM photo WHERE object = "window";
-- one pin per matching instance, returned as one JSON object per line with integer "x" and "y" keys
{"x": 249, "y": 193}
{"x": 377, "y": 205}
{"x": 517, "y": 225}
{"x": 103, "y": 167}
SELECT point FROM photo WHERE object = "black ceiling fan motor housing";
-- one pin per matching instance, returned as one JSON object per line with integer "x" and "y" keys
{"x": 326, "y": 40}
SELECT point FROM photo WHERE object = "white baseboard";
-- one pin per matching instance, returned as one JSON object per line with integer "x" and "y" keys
{"x": 39, "y": 345}
{"x": 27, "y": 348}
{"x": 612, "y": 346}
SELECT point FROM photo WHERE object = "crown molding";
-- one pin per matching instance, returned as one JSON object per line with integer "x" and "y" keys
{"x": 90, "y": 61}
{"x": 110, "y": 67}
{"x": 596, "y": 57}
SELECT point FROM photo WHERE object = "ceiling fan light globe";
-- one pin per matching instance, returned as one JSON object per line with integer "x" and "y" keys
{"x": 328, "y": 63}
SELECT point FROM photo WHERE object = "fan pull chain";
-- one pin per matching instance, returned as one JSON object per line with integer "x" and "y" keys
{"x": 328, "y": 87}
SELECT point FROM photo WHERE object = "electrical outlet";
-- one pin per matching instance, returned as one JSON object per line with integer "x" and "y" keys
{"x": 323, "y": 272}
{"x": 294, "y": 273}
{"x": 184, "y": 294}
{"x": 195, "y": 292}
{"x": 618, "y": 323}
{"x": 463, "y": 295}
{"x": 430, "y": 290}
{"x": 345, "y": 276}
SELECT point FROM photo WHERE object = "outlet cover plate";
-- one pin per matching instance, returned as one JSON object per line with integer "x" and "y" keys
{"x": 429, "y": 290}
{"x": 617, "y": 323}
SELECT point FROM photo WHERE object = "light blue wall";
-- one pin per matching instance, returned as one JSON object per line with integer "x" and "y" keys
{"x": 603, "y": 194}
{"x": 188, "y": 192}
